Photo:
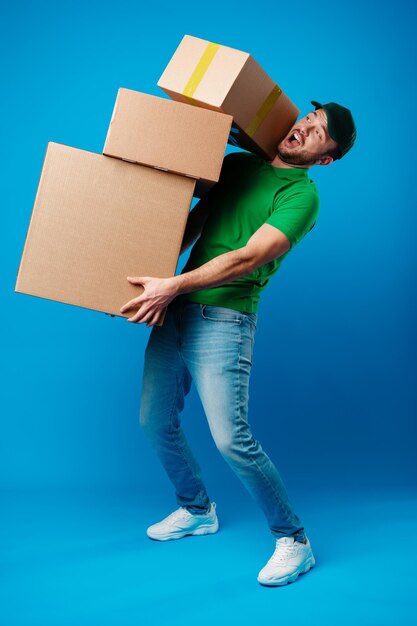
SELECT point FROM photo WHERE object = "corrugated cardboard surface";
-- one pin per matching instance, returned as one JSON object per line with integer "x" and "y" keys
{"x": 232, "y": 82}
{"x": 169, "y": 135}
{"x": 97, "y": 220}
{"x": 218, "y": 78}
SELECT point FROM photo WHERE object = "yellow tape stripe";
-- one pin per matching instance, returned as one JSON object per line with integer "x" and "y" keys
{"x": 200, "y": 69}
{"x": 263, "y": 111}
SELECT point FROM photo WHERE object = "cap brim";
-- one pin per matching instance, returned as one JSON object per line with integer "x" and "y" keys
{"x": 316, "y": 104}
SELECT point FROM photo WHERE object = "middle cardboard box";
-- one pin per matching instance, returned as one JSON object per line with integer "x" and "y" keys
{"x": 168, "y": 135}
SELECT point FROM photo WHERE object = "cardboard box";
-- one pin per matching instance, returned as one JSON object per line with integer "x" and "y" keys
{"x": 224, "y": 79}
{"x": 97, "y": 220}
{"x": 168, "y": 135}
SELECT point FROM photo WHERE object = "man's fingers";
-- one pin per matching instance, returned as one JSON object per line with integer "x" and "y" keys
{"x": 129, "y": 305}
{"x": 135, "y": 318}
{"x": 137, "y": 280}
{"x": 140, "y": 315}
{"x": 154, "y": 319}
{"x": 150, "y": 316}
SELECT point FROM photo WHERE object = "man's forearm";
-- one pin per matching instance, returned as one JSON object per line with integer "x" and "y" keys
{"x": 220, "y": 270}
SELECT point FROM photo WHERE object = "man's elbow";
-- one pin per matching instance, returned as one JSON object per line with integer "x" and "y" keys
{"x": 249, "y": 259}
{"x": 266, "y": 244}
{"x": 254, "y": 257}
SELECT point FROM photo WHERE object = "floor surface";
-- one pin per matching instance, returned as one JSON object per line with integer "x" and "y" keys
{"x": 84, "y": 559}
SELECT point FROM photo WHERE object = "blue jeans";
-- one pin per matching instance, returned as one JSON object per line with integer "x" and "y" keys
{"x": 211, "y": 346}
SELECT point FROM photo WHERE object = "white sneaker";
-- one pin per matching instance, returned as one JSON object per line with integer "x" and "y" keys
{"x": 181, "y": 523}
{"x": 290, "y": 559}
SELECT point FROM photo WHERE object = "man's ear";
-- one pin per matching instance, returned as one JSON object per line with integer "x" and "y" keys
{"x": 324, "y": 160}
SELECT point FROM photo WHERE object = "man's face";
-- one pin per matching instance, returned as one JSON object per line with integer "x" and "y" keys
{"x": 308, "y": 141}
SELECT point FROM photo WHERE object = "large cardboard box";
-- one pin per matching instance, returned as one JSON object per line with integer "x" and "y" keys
{"x": 97, "y": 220}
{"x": 223, "y": 79}
{"x": 168, "y": 135}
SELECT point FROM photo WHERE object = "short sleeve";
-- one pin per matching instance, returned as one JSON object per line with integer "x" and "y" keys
{"x": 295, "y": 215}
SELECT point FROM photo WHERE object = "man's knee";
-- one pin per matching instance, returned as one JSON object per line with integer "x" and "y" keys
{"x": 235, "y": 448}
{"x": 154, "y": 424}
{"x": 229, "y": 447}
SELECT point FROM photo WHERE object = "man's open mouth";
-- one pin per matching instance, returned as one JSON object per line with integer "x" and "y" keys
{"x": 294, "y": 139}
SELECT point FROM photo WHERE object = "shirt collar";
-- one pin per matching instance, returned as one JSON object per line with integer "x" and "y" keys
{"x": 289, "y": 173}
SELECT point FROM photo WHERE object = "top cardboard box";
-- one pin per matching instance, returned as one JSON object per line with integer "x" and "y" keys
{"x": 168, "y": 135}
{"x": 223, "y": 79}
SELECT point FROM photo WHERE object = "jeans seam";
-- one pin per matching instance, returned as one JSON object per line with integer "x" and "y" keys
{"x": 251, "y": 323}
{"x": 283, "y": 509}
{"x": 265, "y": 477}
{"x": 171, "y": 430}
{"x": 238, "y": 381}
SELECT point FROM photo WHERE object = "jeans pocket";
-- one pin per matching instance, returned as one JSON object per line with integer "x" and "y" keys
{"x": 221, "y": 314}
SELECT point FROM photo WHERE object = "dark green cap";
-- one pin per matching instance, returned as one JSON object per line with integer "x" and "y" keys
{"x": 340, "y": 125}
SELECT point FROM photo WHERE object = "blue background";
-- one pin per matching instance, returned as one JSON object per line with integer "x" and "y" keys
{"x": 333, "y": 393}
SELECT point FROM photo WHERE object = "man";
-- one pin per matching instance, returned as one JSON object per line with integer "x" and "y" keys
{"x": 245, "y": 226}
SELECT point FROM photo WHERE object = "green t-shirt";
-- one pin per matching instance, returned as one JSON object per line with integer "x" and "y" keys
{"x": 251, "y": 192}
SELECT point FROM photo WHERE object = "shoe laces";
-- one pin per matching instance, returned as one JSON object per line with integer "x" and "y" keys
{"x": 178, "y": 514}
{"x": 283, "y": 551}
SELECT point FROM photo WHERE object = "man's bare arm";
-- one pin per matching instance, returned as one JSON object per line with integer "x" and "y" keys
{"x": 222, "y": 269}
{"x": 266, "y": 244}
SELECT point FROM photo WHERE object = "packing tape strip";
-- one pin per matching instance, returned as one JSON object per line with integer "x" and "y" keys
{"x": 263, "y": 111}
{"x": 200, "y": 69}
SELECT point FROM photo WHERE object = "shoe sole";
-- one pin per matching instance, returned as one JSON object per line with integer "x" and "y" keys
{"x": 292, "y": 577}
{"x": 204, "y": 529}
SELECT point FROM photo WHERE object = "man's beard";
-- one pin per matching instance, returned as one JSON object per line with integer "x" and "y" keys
{"x": 297, "y": 158}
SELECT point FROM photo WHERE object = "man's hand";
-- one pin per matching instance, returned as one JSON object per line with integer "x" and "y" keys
{"x": 266, "y": 244}
{"x": 157, "y": 294}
